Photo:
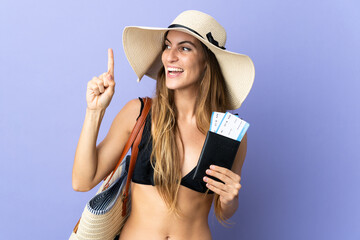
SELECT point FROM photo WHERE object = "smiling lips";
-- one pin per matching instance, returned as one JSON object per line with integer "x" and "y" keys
{"x": 174, "y": 72}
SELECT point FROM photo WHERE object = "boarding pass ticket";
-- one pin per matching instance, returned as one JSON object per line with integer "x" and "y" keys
{"x": 228, "y": 125}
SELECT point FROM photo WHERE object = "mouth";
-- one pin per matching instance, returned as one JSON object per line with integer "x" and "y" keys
{"x": 174, "y": 72}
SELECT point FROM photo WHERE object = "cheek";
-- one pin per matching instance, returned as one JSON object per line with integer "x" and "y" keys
{"x": 199, "y": 68}
{"x": 163, "y": 57}
{"x": 199, "y": 63}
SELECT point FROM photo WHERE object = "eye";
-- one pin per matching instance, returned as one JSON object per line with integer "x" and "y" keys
{"x": 186, "y": 49}
{"x": 166, "y": 46}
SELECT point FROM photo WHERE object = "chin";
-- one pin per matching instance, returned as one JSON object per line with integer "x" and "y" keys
{"x": 173, "y": 84}
{"x": 171, "y": 87}
{"x": 178, "y": 83}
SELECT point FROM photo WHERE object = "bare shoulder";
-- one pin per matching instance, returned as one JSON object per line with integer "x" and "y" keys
{"x": 127, "y": 115}
{"x": 110, "y": 149}
{"x": 125, "y": 119}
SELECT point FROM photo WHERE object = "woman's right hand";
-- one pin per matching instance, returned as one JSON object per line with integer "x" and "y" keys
{"x": 100, "y": 90}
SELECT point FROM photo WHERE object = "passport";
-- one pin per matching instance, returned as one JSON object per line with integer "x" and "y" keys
{"x": 221, "y": 144}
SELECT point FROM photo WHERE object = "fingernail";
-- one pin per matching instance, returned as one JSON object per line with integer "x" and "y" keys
{"x": 212, "y": 166}
{"x": 205, "y": 179}
{"x": 208, "y": 171}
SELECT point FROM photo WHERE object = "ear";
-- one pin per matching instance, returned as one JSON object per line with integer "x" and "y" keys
{"x": 204, "y": 72}
{"x": 205, "y": 67}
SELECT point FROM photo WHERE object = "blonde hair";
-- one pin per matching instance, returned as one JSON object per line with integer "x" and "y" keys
{"x": 165, "y": 156}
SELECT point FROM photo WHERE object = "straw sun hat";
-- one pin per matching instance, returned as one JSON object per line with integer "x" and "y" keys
{"x": 143, "y": 48}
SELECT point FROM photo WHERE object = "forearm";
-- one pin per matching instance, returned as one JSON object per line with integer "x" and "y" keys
{"x": 228, "y": 210}
{"x": 85, "y": 161}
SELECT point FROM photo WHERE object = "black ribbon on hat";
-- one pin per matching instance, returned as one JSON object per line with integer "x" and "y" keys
{"x": 213, "y": 41}
{"x": 208, "y": 35}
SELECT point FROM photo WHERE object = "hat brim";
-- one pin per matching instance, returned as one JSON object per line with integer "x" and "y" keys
{"x": 143, "y": 48}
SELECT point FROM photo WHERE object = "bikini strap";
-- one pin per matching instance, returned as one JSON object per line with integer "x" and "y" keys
{"x": 142, "y": 107}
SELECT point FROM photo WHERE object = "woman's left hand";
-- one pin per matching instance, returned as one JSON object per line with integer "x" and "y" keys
{"x": 229, "y": 190}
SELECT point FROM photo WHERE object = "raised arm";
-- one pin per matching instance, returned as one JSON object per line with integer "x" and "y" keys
{"x": 92, "y": 163}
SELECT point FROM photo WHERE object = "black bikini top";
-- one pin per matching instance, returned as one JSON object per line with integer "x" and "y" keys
{"x": 144, "y": 172}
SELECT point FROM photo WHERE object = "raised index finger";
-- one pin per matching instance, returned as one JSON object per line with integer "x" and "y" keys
{"x": 111, "y": 62}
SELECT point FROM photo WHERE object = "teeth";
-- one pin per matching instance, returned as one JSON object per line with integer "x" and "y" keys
{"x": 175, "y": 69}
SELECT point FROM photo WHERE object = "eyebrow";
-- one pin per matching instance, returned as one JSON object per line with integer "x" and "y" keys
{"x": 191, "y": 43}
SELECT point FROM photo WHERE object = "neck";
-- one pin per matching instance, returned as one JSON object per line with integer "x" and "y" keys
{"x": 185, "y": 104}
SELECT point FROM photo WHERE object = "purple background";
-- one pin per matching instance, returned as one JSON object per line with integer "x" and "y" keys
{"x": 301, "y": 174}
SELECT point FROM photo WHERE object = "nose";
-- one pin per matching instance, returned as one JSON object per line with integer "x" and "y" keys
{"x": 171, "y": 55}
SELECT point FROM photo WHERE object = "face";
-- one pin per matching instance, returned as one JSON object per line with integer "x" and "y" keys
{"x": 183, "y": 60}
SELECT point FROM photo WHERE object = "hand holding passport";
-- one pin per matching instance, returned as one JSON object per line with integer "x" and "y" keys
{"x": 221, "y": 144}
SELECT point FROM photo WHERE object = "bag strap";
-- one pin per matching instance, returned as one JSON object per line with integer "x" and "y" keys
{"x": 136, "y": 133}
{"x": 134, "y": 140}
{"x": 134, "y": 153}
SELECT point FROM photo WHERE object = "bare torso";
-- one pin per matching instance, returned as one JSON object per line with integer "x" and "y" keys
{"x": 150, "y": 218}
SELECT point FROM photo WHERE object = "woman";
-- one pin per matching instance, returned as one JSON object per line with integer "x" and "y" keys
{"x": 195, "y": 76}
